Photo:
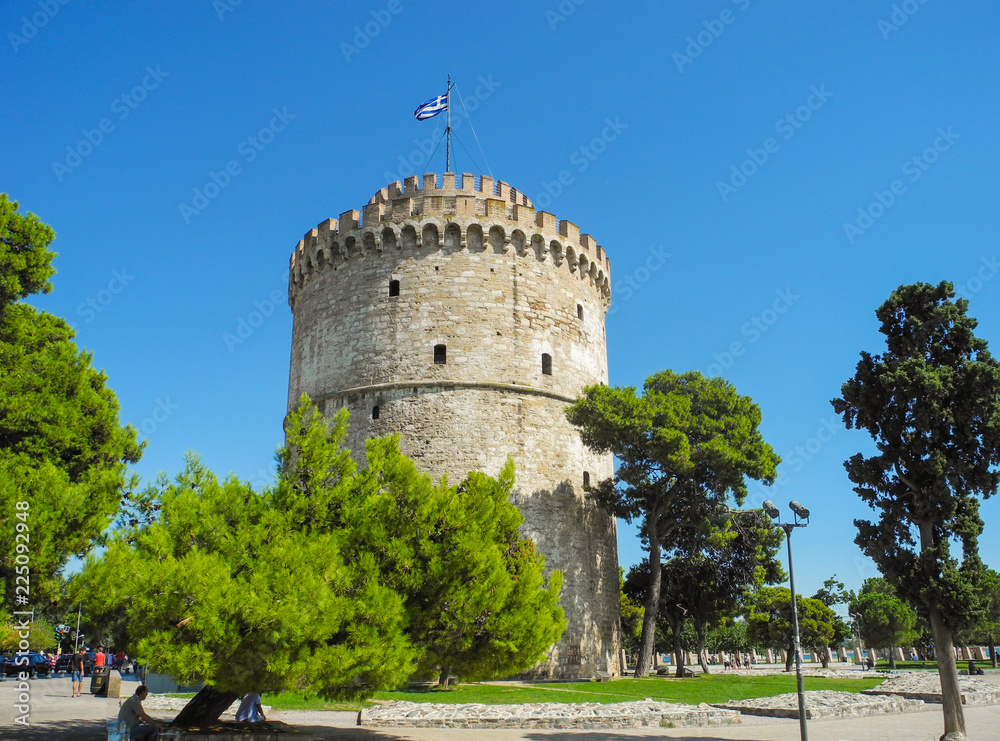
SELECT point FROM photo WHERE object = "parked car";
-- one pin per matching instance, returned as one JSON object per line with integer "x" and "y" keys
{"x": 62, "y": 663}
{"x": 36, "y": 664}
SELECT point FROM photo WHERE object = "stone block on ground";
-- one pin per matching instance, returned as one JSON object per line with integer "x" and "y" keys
{"x": 824, "y": 705}
{"x": 926, "y": 686}
{"x": 578, "y": 716}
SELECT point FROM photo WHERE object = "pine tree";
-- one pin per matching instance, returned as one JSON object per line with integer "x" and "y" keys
{"x": 63, "y": 452}
{"x": 931, "y": 402}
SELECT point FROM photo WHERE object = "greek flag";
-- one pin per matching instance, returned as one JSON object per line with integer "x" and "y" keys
{"x": 431, "y": 108}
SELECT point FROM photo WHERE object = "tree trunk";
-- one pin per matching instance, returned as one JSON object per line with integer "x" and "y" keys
{"x": 824, "y": 657}
{"x": 443, "y": 678}
{"x": 944, "y": 652}
{"x": 892, "y": 657}
{"x": 951, "y": 696}
{"x": 702, "y": 653}
{"x": 645, "y": 657}
{"x": 790, "y": 657}
{"x": 678, "y": 649}
{"x": 204, "y": 708}
{"x": 993, "y": 653}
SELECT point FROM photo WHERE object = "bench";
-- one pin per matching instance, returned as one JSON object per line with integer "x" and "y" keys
{"x": 601, "y": 676}
{"x": 113, "y": 732}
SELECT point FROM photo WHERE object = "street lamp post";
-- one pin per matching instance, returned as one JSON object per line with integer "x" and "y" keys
{"x": 799, "y": 512}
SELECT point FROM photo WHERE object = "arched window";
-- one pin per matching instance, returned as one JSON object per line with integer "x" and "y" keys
{"x": 440, "y": 354}
{"x": 586, "y": 478}
{"x": 375, "y": 412}
{"x": 393, "y": 287}
{"x": 579, "y": 311}
{"x": 546, "y": 364}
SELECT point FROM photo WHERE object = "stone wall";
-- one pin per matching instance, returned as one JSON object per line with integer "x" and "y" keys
{"x": 518, "y": 305}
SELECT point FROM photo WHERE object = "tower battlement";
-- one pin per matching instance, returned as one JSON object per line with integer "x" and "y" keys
{"x": 467, "y": 214}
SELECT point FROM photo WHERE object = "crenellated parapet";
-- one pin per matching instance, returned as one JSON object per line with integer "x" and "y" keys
{"x": 468, "y": 213}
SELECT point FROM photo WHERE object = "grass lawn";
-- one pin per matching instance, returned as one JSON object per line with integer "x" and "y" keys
{"x": 701, "y": 688}
{"x": 925, "y": 665}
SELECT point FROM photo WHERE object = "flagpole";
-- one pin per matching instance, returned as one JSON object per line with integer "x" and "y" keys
{"x": 447, "y": 133}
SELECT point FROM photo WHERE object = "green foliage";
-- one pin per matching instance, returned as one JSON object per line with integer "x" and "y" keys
{"x": 228, "y": 587}
{"x": 25, "y": 263}
{"x": 987, "y": 631}
{"x": 769, "y": 620}
{"x": 833, "y": 593}
{"x": 631, "y": 616}
{"x": 62, "y": 450}
{"x": 885, "y": 621}
{"x": 932, "y": 404}
{"x": 40, "y": 636}
{"x": 711, "y": 579}
{"x": 730, "y": 636}
{"x": 476, "y": 597}
{"x": 684, "y": 448}
{"x": 334, "y": 580}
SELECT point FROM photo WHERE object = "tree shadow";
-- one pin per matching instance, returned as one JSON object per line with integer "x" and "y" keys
{"x": 350, "y": 734}
{"x": 59, "y": 730}
{"x": 611, "y": 736}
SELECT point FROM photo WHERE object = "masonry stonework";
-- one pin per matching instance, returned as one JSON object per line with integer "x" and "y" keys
{"x": 457, "y": 316}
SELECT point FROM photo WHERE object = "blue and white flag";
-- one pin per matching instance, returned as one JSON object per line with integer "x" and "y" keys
{"x": 431, "y": 108}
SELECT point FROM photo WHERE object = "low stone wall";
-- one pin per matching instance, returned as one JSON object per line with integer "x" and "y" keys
{"x": 927, "y": 687}
{"x": 824, "y": 705}
{"x": 582, "y": 716}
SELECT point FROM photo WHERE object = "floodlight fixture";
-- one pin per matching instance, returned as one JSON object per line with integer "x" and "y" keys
{"x": 799, "y": 510}
{"x": 771, "y": 510}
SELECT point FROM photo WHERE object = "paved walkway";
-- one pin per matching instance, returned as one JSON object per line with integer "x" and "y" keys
{"x": 56, "y": 716}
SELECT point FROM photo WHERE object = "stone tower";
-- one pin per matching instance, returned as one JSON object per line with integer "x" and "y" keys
{"x": 457, "y": 316}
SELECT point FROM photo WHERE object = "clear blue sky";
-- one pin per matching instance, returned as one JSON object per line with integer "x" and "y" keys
{"x": 641, "y": 109}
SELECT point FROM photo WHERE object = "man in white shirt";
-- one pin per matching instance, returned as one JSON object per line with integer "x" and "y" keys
{"x": 250, "y": 709}
{"x": 142, "y": 726}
